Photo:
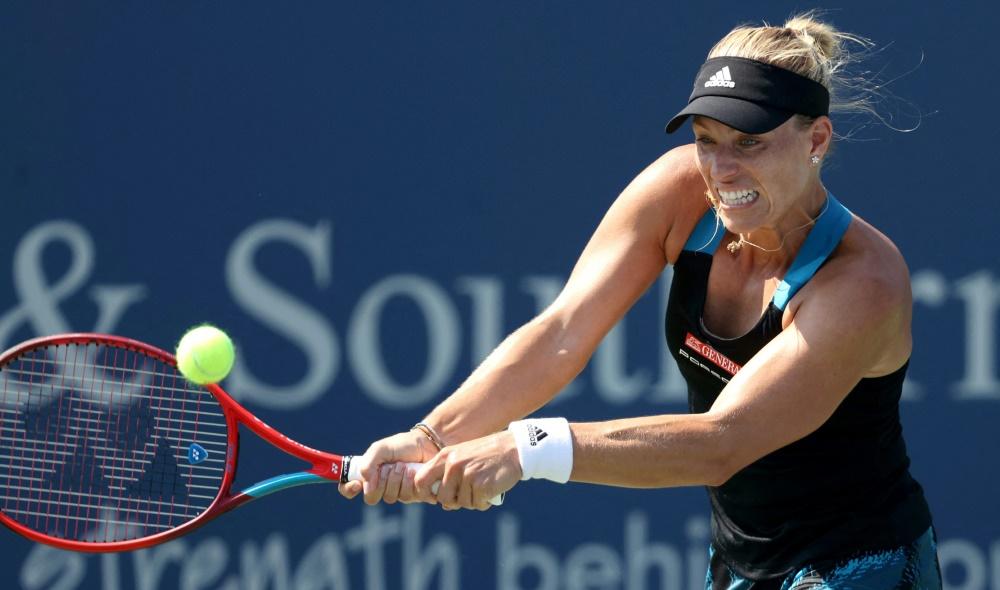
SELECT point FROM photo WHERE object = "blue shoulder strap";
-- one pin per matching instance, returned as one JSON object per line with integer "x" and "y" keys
{"x": 823, "y": 238}
{"x": 707, "y": 234}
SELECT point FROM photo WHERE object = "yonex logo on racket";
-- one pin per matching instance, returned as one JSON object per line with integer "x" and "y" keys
{"x": 535, "y": 435}
{"x": 196, "y": 454}
{"x": 722, "y": 78}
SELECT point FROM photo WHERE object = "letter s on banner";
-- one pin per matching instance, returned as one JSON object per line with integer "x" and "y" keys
{"x": 365, "y": 349}
{"x": 286, "y": 315}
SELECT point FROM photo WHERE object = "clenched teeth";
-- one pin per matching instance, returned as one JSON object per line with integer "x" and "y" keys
{"x": 739, "y": 197}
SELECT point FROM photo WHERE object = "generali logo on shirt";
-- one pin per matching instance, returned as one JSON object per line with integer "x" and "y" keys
{"x": 707, "y": 352}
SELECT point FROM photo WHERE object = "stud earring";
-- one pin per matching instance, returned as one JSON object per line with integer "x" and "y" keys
{"x": 814, "y": 160}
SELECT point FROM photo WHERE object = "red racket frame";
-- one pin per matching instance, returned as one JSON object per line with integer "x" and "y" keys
{"x": 326, "y": 465}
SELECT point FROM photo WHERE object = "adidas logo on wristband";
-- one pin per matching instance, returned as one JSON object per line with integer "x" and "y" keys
{"x": 554, "y": 459}
{"x": 535, "y": 435}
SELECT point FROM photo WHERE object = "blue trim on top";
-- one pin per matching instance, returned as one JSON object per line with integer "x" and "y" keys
{"x": 823, "y": 238}
{"x": 707, "y": 234}
{"x": 280, "y": 482}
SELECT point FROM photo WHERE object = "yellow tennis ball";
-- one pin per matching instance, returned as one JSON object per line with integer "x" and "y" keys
{"x": 205, "y": 355}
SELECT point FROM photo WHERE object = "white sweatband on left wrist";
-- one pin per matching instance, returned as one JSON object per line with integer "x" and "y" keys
{"x": 545, "y": 448}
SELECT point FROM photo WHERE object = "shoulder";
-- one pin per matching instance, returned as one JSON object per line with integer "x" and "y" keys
{"x": 864, "y": 290}
{"x": 670, "y": 194}
{"x": 868, "y": 262}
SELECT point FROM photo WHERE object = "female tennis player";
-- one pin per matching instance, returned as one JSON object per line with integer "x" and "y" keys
{"x": 788, "y": 316}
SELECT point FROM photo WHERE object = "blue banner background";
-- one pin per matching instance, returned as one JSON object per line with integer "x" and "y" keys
{"x": 369, "y": 197}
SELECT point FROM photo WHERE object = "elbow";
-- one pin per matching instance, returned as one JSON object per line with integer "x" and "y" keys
{"x": 727, "y": 457}
{"x": 722, "y": 472}
{"x": 730, "y": 462}
{"x": 719, "y": 470}
{"x": 566, "y": 348}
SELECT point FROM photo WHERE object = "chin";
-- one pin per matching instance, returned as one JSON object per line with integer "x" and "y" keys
{"x": 737, "y": 224}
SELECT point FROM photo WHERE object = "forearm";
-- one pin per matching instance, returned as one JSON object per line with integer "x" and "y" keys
{"x": 622, "y": 259}
{"x": 651, "y": 452}
{"x": 526, "y": 371}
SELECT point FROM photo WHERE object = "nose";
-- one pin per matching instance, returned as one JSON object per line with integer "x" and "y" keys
{"x": 723, "y": 164}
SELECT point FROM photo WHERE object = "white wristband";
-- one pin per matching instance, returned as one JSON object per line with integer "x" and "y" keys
{"x": 545, "y": 448}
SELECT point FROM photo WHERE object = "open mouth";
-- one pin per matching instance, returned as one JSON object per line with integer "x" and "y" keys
{"x": 738, "y": 198}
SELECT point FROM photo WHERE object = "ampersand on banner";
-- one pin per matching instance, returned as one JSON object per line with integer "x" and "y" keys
{"x": 39, "y": 299}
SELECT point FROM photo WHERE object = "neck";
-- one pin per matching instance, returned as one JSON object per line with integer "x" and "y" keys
{"x": 776, "y": 246}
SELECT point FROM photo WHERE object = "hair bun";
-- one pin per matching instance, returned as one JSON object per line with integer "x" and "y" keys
{"x": 822, "y": 37}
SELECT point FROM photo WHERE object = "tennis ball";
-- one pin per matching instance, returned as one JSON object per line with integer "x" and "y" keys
{"x": 205, "y": 355}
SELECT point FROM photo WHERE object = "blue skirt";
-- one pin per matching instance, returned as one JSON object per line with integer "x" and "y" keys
{"x": 914, "y": 566}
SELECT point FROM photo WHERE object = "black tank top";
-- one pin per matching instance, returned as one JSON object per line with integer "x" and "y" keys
{"x": 843, "y": 489}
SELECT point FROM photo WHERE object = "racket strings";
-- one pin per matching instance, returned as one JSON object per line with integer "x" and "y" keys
{"x": 26, "y": 376}
{"x": 97, "y": 443}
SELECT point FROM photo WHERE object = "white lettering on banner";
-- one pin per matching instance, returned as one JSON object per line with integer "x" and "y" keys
{"x": 204, "y": 566}
{"x": 110, "y": 580}
{"x": 150, "y": 565}
{"x": 421, "y": 562}
{"x": 266, "y": 566}
{"x": 959, "y": 554}
{"x": 995, "y": 564}
{"x": 370, "y": 539}
{"x": 594, "y": 565}
{"x": 40, "y": 299}
{"x": 981, "y": 292}
{"x": 635, "y": 562}
{"x": 513, "y": 558}
{"x": 52, "y": 569}
{"x": 487, "y": 315}
{"x": 613, "y": 378}
{"x": 662, "y": 561}
{"x": 278, "y": 310}
{"x": 442, "y": 346}
{"x": 324, "y": 566}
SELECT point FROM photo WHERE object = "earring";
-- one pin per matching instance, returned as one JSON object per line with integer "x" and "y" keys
{"x": 814, "y": 160}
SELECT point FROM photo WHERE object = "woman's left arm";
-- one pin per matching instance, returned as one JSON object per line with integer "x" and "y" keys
{"x": 843, "y": 331}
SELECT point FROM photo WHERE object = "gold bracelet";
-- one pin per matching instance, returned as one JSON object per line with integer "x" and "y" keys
{"x": 430, "y": 434}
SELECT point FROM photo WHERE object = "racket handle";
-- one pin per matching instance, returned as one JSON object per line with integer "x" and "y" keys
{"x": 354, "y": 475}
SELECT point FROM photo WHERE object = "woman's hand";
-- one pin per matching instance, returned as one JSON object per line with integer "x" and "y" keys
{"x": 471, "y": 473}
{"x": 384, "y": 475}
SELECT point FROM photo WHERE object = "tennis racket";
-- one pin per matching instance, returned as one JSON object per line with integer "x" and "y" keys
{"x": 105, "y": 446}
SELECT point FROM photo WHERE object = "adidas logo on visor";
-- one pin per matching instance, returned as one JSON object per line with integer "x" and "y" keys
{"x": 721, "y": 79}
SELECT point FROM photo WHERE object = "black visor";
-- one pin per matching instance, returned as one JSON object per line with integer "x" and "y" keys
{"x": 751, "y": 96}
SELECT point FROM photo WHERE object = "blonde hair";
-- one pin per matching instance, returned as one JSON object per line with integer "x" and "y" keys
{"x": 811, "y": 48}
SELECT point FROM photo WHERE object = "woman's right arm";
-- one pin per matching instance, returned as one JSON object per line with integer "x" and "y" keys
{"x": 644, "y": 230}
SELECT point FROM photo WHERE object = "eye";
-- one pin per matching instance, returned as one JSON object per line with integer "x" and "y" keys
{"x": 749, "y": 141}
{"x": 702, "y": 139}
